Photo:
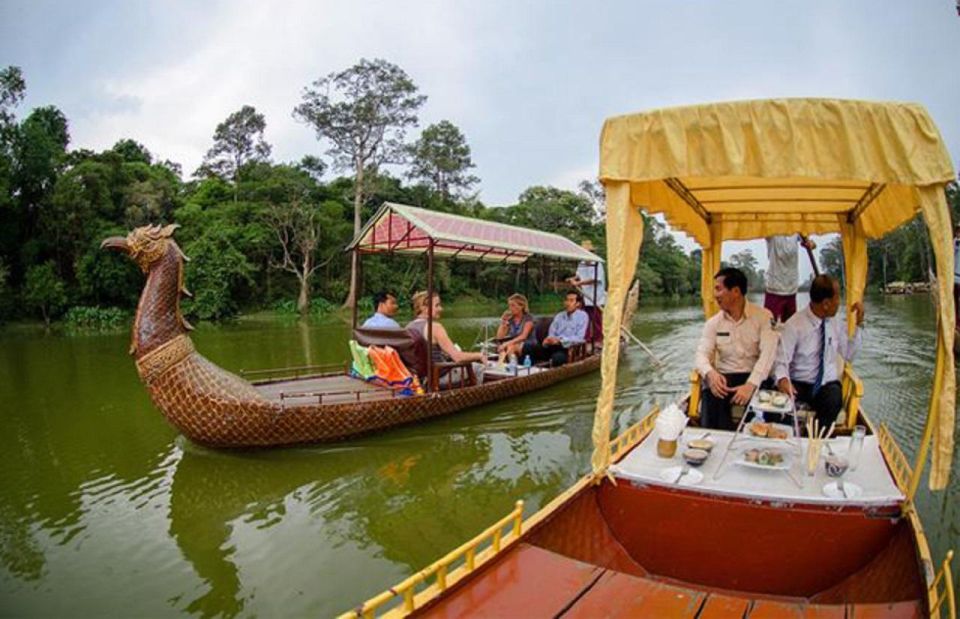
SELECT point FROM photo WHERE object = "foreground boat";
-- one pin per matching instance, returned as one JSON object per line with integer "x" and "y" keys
{"x": 639, "y": 536}
{"x": 217, "y": 408}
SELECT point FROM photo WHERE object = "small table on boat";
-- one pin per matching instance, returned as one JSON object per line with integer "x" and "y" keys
{"x": 642, "y": 465}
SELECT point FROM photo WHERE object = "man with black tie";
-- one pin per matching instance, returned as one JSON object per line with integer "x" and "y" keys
{"x": 811, "y": 344}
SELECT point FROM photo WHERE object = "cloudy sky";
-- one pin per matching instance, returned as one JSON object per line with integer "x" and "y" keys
{"x": 529, "y": 83}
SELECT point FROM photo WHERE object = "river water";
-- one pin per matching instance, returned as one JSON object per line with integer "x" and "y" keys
{"x": 106, "y": 511}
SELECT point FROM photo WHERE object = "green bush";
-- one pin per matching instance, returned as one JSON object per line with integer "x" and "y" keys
{"x": 86, "y": 318}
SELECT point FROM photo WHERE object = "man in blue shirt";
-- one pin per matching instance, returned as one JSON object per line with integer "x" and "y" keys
{"x": 385, "y": 304}
{"x": 568, "y": 328}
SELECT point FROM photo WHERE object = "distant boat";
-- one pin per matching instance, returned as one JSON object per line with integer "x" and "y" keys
{"x": 217, "y": 408}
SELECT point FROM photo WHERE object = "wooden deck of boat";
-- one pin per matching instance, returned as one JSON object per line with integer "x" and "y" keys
{"x": 336, "y": 389}
{"x": 530, "y": 581}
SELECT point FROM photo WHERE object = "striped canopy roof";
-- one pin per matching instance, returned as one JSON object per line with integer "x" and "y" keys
{"x": 410, "y": 230}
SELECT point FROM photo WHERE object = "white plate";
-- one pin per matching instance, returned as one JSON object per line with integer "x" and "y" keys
{"x": 747, "y": 433}
{"x": 671, "y": 473}
{"x": 769, "y": 406}
{"x": 783, "y": 466}
{"x": 851, "y": 489}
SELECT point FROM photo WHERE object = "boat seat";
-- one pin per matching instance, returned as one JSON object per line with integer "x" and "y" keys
{"x": 852, "y": 388}
{"x": 541, "y": 327}
{"x": 413, "y": 351}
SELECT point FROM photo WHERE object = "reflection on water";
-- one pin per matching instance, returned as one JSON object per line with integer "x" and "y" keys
{"x": 105, "y": 510}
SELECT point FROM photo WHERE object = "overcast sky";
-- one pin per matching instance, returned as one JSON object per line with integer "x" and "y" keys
{"x": 529, "y": 83}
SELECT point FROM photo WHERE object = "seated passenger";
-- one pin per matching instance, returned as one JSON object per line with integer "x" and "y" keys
{"x": 568, "y": 328}
{"x": 810, "y": 343}
{"x": 736, "y": 351}
{"x": 443, "y": 347}
{"x": 516, "y": 326}
{"x": 385, "y": 307}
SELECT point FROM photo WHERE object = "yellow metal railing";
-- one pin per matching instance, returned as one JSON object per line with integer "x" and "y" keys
{"x": 472, "y": 558}
{"x": 898, "y": 462}
{"x": 632, "y": 435}
{"x": 471, "y": 554}
{"x": 943, "y": 579}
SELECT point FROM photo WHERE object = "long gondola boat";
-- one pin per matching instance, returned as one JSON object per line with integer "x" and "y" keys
{"x": 214, "y": 407}
{"x": 627, "y": 540}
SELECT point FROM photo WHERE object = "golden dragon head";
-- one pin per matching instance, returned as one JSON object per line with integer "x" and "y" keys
{"x": 145, "y": 245}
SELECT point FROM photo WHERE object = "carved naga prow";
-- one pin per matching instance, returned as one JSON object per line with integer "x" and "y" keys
{"x": 195, "y": 395}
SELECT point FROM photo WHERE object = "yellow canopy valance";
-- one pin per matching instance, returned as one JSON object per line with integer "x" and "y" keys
{"x": 751, "y": 169}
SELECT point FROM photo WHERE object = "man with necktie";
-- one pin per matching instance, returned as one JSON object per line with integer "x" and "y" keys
{"x": 811, "y": 344}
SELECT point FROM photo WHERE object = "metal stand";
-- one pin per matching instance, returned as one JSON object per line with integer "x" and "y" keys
{"x": 754, "y": 409}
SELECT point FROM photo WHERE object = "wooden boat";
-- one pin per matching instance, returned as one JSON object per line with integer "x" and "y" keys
{"x": 217, "y": 408}
{"x": 633, "y": 538}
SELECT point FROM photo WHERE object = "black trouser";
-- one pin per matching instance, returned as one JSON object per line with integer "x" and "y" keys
{"x": 714, "y": 411}
{"x": 826, "y": 403}
{"x": 555, "y": 353}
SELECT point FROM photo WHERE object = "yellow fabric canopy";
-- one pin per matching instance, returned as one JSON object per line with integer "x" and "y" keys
{"x": 751, "y": 169}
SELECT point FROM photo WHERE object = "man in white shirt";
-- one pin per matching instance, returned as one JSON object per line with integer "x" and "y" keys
{"x": 591, "y": 281}
{"x": 385, "y": 306}
{"x": 736, "y": 351}
{"x": 811, "y": 344}
{"x": 780, "y": 280}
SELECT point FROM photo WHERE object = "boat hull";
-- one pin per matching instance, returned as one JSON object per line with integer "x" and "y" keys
{"x": 217, "y": 409}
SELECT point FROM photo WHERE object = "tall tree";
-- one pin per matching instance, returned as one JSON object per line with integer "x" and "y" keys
{"x": 363, "y": 112}
{"x": 237, "y": 141}
{"x": 441, "y": 157}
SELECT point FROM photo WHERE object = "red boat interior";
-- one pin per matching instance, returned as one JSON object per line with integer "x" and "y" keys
{"x": 611, "y": 552}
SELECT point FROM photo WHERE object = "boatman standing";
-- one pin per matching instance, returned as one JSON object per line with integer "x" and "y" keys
{"x": 736, "y": 351}
{"x": 592, "y": 283}
{"x": 811, "y": 344}
{"x": 782, "y": 275}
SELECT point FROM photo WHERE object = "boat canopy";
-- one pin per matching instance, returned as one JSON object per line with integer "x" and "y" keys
{"x": 751, "y": 169}
{"x": 411, "y": 230}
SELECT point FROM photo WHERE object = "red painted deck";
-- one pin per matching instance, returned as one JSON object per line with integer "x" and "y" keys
{"x": 532, "y": 582}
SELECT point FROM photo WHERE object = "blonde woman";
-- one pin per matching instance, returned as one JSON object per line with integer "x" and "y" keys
{"x": 516, "y": 326}
{"x": 443, "y": 347}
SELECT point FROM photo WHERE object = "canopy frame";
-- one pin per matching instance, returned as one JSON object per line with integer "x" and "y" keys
{"x": 414, "y": 220}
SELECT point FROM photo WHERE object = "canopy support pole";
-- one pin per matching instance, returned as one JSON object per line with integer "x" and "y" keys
{"x": 356, "y": 286}
{"x": 687, "y": 196}
{"x": 874, "y": 190}
{"x": 430, "y": 293}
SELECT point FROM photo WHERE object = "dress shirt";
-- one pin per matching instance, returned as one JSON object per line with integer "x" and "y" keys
{"x": 738, "y": 346}
{"x": 585, "y": 272}
{"x": 798, "y": 355}
{"x": 570, "y": 329}
{"x": 379, "y": 321}
{"x": 781, "y": 275}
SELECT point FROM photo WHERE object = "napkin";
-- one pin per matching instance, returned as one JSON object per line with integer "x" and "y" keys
{"x": 670, "y": 422}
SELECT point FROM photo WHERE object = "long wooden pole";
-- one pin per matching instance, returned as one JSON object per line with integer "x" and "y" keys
{"x": 813, "y": 259}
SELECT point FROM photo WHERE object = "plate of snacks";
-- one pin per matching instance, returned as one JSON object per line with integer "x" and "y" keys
{"x": 769, "y": 459}
{"x": 761, "y": 429}
{"x": 770, "y": 401}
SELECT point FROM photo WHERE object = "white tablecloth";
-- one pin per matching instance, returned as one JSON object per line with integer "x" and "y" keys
{"x": 643, "y": 465}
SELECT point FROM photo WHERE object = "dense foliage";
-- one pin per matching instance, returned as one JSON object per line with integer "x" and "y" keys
{"x": 265, "y": 234}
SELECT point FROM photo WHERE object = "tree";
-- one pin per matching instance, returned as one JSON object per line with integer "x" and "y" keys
{"x": 45, "y": 291}
{"x": 747, "y": 262}
{"x": 441, "y": 157}
{"x": 237, "y": 141}
{"x": 363, "y": 112}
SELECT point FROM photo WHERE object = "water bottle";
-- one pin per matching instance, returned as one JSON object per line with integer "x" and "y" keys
{"x": 527, "y": 362}
{"x": 512, "y": 366}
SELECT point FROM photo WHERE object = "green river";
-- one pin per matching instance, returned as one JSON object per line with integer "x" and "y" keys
{"x": 106, "y": 511}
